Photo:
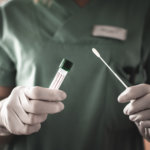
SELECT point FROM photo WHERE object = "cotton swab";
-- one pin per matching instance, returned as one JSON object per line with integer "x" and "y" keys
{"x": 99, "y": 56}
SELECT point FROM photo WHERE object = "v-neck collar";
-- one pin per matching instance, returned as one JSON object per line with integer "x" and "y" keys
{"x": 81, "y": 3}
{"x": 73, "y": 7}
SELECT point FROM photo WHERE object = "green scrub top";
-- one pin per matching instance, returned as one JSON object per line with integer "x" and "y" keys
{"x": 35, "y": 38}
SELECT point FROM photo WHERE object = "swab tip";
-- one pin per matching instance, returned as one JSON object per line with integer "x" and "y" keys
{"x": 95, "y": 52}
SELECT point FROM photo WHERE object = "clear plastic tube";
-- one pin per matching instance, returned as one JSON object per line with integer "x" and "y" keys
{"x": 62, "y": 72}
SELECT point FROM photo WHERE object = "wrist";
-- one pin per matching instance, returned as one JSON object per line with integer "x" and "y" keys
{"x": 3, "y": 130}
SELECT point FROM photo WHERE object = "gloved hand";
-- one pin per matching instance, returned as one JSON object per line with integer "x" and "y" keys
{"x": 138, "y": 107}
{"x": 26, "y": 108}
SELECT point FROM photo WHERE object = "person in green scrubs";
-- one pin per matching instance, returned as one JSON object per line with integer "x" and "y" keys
{"x": 33, "y": 40}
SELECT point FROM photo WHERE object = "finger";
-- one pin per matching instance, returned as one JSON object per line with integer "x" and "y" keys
{"x": 141, "y": 116}
{"x": 24, "y": 116}
{"x": 12, "y": 122}
{"x": 31, "y": 119}
{"x": 145, "y": 124}
{"x": 15, "y": 125}
{"x": 147, "y": 133}
{"x": 140, "y": 128}
{"x": 27, "y": 129}
{"x": 35, "y": 119}
{"x": 45, "y": 94}
{"x": 40, "y": 107}
{"x": 140, "y": 104}
{"x": 134, "y": 92}
{"x": 18, "y": 128}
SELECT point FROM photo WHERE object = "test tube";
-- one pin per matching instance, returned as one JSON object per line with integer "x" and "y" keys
{"x": 64, "y": 67}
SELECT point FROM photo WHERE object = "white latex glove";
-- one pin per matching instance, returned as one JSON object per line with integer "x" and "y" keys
{"x": 139, "y": 109}
{"x": 26, "y": 108}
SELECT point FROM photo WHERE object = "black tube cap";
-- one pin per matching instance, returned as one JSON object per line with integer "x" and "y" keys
{"x": 66, "y": 64}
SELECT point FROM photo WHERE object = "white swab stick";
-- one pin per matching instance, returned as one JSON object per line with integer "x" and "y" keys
{"x": 99, "y": 56}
